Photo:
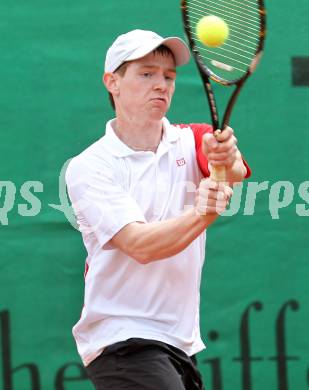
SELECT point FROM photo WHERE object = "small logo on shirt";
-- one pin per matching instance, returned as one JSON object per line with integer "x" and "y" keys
{"x": 181, "y": 162}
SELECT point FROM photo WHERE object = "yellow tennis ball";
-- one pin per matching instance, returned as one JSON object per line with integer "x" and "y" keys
{"x": 212, "y": 31}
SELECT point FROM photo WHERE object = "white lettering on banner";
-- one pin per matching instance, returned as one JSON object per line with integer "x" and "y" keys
{"x": 281, "y": 195}
{"x": 9, "y": 190}
{"x": 35, "y": 202}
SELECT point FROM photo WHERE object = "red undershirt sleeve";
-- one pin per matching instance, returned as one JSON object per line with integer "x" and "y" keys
{"x": 199, "y": 129}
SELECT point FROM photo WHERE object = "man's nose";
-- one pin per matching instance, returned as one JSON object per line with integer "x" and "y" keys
{"x": 161, "y": 84}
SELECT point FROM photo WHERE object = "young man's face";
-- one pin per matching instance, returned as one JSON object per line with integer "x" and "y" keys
{"x": 147, "y": 87}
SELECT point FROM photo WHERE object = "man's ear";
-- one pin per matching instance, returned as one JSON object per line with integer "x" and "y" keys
{"x": 111, "y": 82}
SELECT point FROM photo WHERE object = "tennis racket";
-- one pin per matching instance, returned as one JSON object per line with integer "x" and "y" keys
{"x": 233, "y": 62}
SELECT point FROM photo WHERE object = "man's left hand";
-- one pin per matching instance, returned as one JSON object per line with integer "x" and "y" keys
{"x": 221, "y": 150}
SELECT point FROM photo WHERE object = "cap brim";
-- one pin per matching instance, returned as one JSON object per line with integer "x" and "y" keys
{"x": 178, "y": 47}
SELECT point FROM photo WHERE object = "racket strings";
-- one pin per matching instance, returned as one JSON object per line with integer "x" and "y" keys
{"x": 227, "y": 10}
{"x": 244, "y": 7}
{"x": 248, "y": 3}
{"x": 231, "y": 60}
{"x": 228, "y": 67}
{"x": 237, "y": 27}
{"x": 233, "y": 20}
{"x": 222, "y": 55}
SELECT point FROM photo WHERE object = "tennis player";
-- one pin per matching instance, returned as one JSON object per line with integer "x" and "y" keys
{"x": 143, "y": 199}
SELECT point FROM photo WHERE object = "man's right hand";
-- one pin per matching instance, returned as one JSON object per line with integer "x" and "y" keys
{"x": 212, "y": 197}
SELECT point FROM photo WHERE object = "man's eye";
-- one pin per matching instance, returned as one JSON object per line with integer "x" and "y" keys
{"x": 170, "y": 78}
{"x": 147, "y": 74}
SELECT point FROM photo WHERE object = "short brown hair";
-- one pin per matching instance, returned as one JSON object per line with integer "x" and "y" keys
{"x": 121, "y": 70}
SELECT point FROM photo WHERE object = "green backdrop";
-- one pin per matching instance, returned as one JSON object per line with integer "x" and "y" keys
{"x": 255, "y": 314}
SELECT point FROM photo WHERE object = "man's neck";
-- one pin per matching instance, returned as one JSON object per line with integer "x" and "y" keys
{"x": 139, "y": 135}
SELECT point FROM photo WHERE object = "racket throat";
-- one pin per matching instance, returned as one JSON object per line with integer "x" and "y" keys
{"x": 231, "y": 103}
{"x": 212, "y": 105}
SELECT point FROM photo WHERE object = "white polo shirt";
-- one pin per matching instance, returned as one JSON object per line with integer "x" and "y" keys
{"x": 111, "y": 185}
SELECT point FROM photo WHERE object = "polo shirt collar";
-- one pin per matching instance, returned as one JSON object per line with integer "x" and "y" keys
{"x": 119, "y": 149}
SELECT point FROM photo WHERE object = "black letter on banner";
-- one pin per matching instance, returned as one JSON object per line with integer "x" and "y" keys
{"x": 61, "y": 378}
{"x": 6, "y": 357}
{"x": 215, "y": 365}
{"x": 281, "y": 357}
{"x": 245, "y": 357}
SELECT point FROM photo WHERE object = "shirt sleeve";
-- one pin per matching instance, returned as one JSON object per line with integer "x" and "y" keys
{"x": 199, "y": 129}
{"x": 101, "y": 206}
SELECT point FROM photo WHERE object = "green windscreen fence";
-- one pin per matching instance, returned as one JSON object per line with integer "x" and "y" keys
{"x": 255, "y": 286}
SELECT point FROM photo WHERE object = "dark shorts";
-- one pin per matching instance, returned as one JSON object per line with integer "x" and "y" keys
{"x": 140, "y": 364}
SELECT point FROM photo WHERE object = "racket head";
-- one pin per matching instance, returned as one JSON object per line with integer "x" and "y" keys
{"x": 237, "y": 58}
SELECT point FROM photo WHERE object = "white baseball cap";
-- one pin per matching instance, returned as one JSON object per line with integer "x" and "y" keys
{"x": 138, "y": 43}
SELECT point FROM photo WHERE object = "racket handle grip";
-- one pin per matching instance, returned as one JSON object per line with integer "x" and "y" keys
{"x": 218, "y": 173}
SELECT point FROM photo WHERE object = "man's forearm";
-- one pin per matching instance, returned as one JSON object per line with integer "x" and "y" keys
{"x": 147, "y": 242}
